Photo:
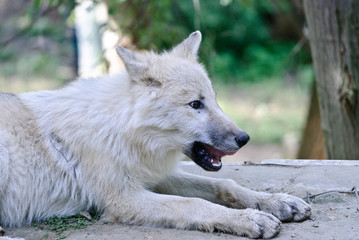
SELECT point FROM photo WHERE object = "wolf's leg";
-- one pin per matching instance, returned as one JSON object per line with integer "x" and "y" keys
{"x": 148, "y": 208}
{"x": 229, "y": 193}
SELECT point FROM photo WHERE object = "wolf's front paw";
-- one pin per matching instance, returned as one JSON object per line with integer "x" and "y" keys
{"x": 285, "y": 207}
{"x": 257, "y": 224}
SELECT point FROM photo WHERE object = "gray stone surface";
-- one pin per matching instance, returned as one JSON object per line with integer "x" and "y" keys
{"x": 334, "y": 215}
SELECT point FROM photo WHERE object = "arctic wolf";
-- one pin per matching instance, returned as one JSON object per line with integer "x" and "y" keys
{"x": 114, "y": 143}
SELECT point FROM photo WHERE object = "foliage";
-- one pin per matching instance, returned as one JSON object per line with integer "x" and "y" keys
{"x": 238, "y": 43}
{"x": 36, "y": 43}
{"x": 239, "y": 36}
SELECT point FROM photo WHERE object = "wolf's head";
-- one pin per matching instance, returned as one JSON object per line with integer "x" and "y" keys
{"x": 174, "y": 103}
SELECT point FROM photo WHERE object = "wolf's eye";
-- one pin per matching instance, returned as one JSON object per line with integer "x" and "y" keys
{"x": 196, "y": 104}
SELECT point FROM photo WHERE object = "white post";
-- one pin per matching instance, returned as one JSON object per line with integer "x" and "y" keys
{"x": 90, "y": 59}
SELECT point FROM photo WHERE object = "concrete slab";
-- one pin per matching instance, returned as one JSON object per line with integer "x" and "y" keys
{"x": 335, "y": 215}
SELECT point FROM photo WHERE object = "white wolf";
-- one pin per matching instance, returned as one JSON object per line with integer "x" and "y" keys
{"x": 114, "y": 143}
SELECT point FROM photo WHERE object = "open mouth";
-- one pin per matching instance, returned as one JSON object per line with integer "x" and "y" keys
{"x": 207, "y": 156}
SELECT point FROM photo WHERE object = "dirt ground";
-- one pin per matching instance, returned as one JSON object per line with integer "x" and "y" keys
{"x": 335, "y": 215}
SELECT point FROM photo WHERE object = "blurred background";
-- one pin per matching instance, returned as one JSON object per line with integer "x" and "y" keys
{"x": 256, "y": 54}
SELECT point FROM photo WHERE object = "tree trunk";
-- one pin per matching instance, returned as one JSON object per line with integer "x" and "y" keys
{"x": 312, "y": 144}
{"x": 333, "y": 31}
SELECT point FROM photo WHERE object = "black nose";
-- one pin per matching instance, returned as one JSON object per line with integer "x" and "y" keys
{"x": 242, "y": 139}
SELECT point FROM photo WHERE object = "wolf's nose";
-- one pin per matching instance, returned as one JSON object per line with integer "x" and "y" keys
{"x": 242, "y": 139}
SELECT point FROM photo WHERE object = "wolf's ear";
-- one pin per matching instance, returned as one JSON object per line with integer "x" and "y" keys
{"x": 189, "y": 47}
{"x": 134, "y": 62}
{"x": 137, "y": 67}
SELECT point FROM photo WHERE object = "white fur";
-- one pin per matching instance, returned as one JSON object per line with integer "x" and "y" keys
{"x": 114, "y": 143}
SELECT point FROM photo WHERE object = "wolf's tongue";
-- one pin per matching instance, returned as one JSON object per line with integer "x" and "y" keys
{"x": 215, "y": 153}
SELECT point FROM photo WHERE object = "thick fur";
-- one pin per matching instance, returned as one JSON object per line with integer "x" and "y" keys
{"x": 114, "y": 143}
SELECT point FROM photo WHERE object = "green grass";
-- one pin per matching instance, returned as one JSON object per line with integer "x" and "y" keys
{"x": 268, "y": 111}
{"x": 31, "y": 72}
{"x": 61, "y": 225}
{"x": 18, "y": 84}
